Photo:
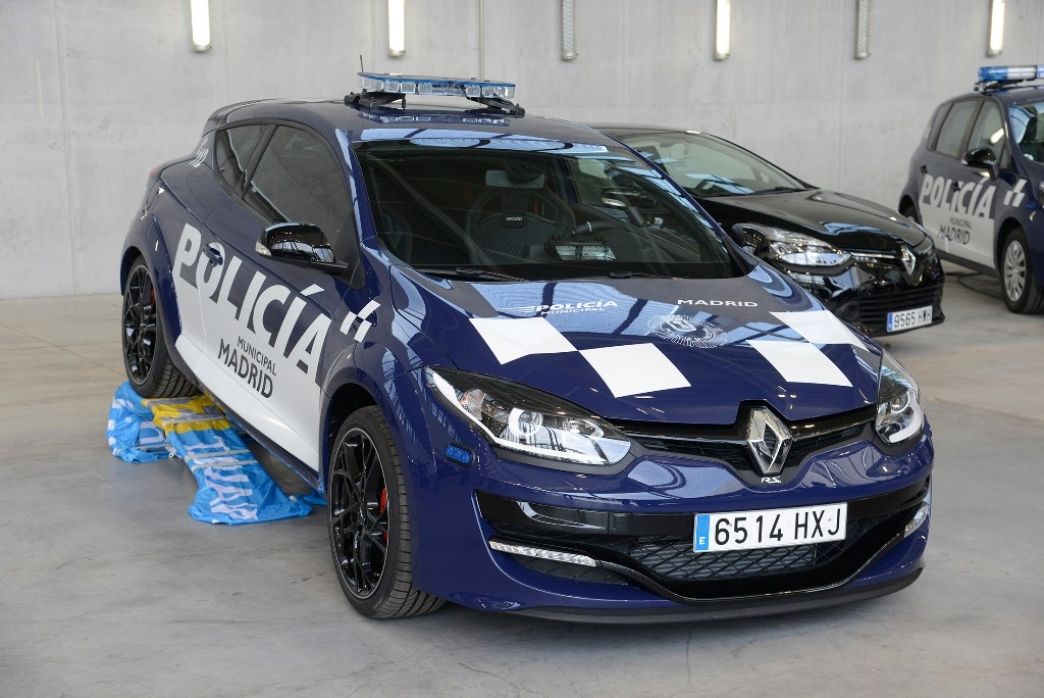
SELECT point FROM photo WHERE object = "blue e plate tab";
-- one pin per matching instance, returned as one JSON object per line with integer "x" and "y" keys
{"x": 702, "y": 539}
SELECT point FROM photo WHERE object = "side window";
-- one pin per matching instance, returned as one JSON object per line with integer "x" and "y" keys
{"x": 232, "y": 150}
{"x": 988, "y": 131}
{"x": 297, "y": 179}
{"x": 951, "y": 135}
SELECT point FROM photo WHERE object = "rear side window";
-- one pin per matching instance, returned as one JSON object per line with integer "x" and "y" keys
{"x": 951, "y": 135}
{"x": 232, "y": 150}
{"x": 298, "y": 180}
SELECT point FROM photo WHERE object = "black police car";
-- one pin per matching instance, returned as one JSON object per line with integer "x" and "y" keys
{"x": 977, "y": 182}
{"x": 870, "y": 265}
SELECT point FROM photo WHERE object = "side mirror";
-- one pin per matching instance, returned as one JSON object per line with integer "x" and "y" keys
{"x": 983, "y": 158}
{"x": 302, "y": 244}
{"x": 748, "y": 239}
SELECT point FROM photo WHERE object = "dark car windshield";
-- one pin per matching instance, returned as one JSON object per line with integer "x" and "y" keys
{"x": 710, "y": 167}
{"x": 510, "y": 208}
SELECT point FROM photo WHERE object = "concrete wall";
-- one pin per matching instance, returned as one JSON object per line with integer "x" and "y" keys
{"x": 93, "y": 93}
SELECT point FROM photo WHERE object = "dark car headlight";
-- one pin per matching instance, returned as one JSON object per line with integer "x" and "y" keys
{"x": 789, "y": 247}
{"x": 528, "y": 421}
{"x": 899, "y": 414}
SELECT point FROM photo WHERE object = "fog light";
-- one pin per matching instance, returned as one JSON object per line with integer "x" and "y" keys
{"x": 527, "y": 551}
{"x": 922, "y": 514}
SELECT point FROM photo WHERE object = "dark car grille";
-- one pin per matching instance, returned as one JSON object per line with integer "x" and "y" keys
{"x": 672, "y": 558}
{"x": 727, "y": 443}
{"x": 873, "y": 309}
{"x": 667, "y": 561}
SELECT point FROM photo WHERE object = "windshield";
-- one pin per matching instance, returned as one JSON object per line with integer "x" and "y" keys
{"x": 511, "y": 209}
{"x": 1027, "y": 130}
{"x": 710, "y": 167}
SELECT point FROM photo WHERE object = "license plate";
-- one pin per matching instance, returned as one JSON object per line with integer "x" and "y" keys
{"x": 769, "y": 528}
{"x": 909, "y": 319}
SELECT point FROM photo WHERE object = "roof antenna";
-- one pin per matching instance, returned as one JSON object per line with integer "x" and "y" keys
{"x": 361, "y": 68}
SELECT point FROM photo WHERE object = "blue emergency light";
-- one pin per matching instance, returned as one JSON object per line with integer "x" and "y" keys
{"x": 1010, "y": 73}
{"x": 393, "y": 83}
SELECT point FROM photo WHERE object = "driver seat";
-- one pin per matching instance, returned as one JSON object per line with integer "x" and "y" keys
{"x": 512, "y": 225}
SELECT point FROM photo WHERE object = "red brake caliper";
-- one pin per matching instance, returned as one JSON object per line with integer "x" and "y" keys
{"x": 382, "y": 506}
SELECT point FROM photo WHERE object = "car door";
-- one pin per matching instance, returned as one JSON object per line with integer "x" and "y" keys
{"x": 997, "y": 188}
{"x": 945, "y": 202}
{"x": 268, "y": 321}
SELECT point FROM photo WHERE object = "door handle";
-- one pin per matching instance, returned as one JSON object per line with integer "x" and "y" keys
{"x": 955, "y": 185}
{"x": 923, "y": 169}
{"x": 213, "y": 253}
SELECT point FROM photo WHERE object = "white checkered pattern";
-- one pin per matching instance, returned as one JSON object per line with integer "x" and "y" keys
{"x": 638, "y": 369}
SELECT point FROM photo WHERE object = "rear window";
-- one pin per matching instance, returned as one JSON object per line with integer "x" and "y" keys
{"x": 533, "y": 210}
{"x": 951, "y": 135}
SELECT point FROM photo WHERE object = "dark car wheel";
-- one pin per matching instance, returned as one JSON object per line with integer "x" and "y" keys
{"x": 1021, "y": 292}
{"x": 144, "y": 350}
{"x": 368, "y": 520}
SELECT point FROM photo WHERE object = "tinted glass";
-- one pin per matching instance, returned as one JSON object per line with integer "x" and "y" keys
{"x": 709, "y": 167}
{"x": 951, "y": 135}
{"x": 1027, "y": 129}
{"x": 232, "y": 150}
{"x": 988, "y": 131}
{"x": 297, "y": 179}
{"x": 535, "y": 210}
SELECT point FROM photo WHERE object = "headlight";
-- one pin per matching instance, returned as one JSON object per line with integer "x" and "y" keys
{"x": 775, "y": 244}
{"x": 899, "y": 413}
{"x": 528, "y": 421}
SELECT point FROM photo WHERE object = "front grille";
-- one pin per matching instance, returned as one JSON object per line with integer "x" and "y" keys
{"x": 727, "y": 443}
{"x": 672, "y": 558}
{"x": 873, "y": 308}
{"x": 666, "y": 560}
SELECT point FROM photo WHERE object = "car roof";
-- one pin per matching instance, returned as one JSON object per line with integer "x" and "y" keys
{"x": 1012, "y": 94}
{"x": 440, "y": 119}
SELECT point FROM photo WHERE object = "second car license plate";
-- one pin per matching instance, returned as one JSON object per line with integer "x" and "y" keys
{"x": 769, "y": 528}
{"x": 909, "y": 319}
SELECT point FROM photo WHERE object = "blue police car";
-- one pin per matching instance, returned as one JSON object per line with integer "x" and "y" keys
{"x": 527, "y": 370}
{"x": 977, "y": 182}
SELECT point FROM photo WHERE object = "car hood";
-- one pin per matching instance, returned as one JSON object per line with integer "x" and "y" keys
{"x": 661, "y": 350}
{"x": 847, "y": 222}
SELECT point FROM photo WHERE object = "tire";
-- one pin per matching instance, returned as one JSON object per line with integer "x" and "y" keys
{"x": 143, "y": 340}
{"x": 1021, "y": 292}
{"x": 373, "y": 530}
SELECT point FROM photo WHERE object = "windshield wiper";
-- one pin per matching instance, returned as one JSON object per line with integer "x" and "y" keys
{"x": 468, "y": 273}
{"x": 627, "y": 274}
{"x": 778, "y": 190}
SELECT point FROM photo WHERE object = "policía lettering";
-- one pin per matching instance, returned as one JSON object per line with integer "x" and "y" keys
{"x": 258, "y": 301}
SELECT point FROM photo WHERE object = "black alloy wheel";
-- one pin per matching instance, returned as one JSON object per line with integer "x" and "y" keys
{"x": 359, "y": 514}
{"x": 139, "y": 325}
{"x": 145, "y": 357}
{"x": 368, "y": 521}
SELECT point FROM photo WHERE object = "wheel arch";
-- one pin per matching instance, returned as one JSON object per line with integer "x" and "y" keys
{"x": 1003, "y": 231}
{"x": 129, "y": 255}
{"x": 346, "y": 399}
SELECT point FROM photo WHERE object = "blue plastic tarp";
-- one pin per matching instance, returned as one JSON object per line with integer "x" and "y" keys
{"x": 232, "y": 486}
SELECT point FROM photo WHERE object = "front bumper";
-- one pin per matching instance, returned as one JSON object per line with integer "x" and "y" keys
{"x": 864, "y": 293}
{"x": 456, "y": 520}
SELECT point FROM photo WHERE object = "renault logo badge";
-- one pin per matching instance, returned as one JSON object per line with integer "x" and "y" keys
{"x": 908, "y": 260}
{"x": 768, "y": 440}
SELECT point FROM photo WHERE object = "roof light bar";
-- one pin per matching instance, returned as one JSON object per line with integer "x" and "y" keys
{"x": 393, "y": 83}
{"x": 1010, "y": 73}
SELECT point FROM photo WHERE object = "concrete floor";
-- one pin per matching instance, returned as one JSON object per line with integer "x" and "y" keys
{"x": 108, "y": 588}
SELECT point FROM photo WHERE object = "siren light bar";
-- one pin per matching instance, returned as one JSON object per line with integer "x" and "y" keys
{"x": 393, "y": 83}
